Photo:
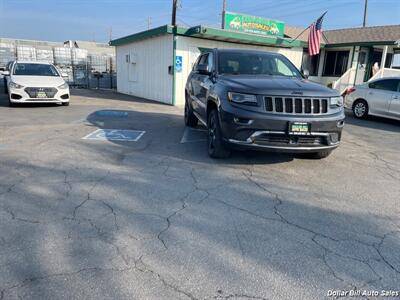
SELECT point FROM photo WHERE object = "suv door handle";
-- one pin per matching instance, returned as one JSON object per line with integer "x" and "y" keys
{"x": 395, "y": 97}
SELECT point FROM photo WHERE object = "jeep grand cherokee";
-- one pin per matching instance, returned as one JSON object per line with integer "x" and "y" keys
{"x": 259, "y": 100}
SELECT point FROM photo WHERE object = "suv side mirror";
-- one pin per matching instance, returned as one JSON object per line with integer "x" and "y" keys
{"x": 306, "y": 74}
{"x": 203, "y": 69}
{"x": 5, "y": 73}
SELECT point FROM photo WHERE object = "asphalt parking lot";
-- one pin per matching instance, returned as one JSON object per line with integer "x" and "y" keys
{"x": 157, "y": 219}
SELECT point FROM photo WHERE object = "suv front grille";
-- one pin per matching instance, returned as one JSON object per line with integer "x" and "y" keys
{"x": 295, "y": 105}
{"x": 283, "y": 139}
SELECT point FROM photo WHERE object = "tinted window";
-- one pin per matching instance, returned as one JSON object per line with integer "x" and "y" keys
{"x": 310, "y": 63}
{"x": 236, "y": 63}
{"x": 335, "y": 63}
{"x": 210, "y": 61}
{"x": 27, "y": 69}
{"x": 196, "y": 63}
{"x": 203, "y": 59}
{"x": 387, "y": 85}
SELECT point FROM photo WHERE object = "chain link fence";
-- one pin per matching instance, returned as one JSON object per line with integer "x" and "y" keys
{"x": 84, "y": 68}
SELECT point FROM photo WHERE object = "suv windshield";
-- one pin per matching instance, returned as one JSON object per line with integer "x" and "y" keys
{"x": 237, "y": 63}
{"x": 27, "y": 69}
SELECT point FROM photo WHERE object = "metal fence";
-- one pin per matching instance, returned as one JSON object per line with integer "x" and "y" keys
{"x": 84, "y": 69}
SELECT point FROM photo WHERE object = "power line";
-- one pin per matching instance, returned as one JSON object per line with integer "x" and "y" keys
{"x": 314, "y": 9}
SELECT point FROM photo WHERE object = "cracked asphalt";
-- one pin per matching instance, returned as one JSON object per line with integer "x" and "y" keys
{"x": 158, "y": 219}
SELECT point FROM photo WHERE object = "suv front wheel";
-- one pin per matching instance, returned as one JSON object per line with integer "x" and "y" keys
{"x": 320, "y": 154}
{"x": 216, "y": 147}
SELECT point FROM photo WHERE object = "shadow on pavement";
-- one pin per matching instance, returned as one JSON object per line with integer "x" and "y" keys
{"x": 163, "y": 135}
{"x": 374, "y": 123}
{"x": 112, "y": 95}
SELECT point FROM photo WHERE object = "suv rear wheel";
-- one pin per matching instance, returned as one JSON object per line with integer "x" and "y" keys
{"x": 190, "y": 119}
{"x": 216, "y": 147}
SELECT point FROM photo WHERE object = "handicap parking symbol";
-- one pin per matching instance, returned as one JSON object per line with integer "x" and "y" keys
{"x": 115, "y": 135}
{"x": 178, "y": 64}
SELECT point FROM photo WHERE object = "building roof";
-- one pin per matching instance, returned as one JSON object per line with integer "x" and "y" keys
{"x": 293, "y": 32}
{"x": 375, "y": 34}
{"x": 211, "y": 34}
{"x": 352, "y": 36}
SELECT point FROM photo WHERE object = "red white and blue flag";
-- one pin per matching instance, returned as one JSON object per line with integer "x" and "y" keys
{"x": 314, "y": 37}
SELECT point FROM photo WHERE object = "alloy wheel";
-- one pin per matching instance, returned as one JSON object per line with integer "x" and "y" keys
{"x": 211, "y": 133}
{"x": 360, "y": 109}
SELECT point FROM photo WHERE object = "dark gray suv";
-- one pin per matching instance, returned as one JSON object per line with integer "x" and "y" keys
{"x": 259, "y": 100}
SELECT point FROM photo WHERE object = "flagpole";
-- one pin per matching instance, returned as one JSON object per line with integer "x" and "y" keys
{"x": 326, "y": 40}
{"x": 307, "y": 28}
{"x": 298, "y": 35}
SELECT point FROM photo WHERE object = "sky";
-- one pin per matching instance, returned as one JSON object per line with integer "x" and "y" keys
{"x": 97, "y": 20}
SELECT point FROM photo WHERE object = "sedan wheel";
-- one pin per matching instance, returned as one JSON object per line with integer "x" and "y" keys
{"x": 360, "y": 109}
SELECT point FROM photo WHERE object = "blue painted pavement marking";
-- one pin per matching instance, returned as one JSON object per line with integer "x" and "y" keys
{"x": 112, "y": 113}
{"x": 115, "y": 135}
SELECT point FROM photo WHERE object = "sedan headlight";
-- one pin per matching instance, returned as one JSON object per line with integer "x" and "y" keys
{"x": 63, "y": 86}
{"x": 242, "y": 98}
{"x": 336, "y": 101}
{"x": 14, "y": 85}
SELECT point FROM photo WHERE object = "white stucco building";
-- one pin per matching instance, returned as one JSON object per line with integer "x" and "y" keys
{"x": 155, "y": 64}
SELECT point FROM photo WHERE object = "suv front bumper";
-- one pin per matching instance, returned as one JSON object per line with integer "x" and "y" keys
{"x": 264, "y": 131}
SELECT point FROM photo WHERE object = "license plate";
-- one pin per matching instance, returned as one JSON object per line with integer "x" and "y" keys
{"x": 299, "y": 128}
{"x": 41, "y": 95}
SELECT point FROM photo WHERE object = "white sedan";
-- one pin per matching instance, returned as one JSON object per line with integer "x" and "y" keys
{"x": 380, "y": 97}
{"x": 35, "y": 82}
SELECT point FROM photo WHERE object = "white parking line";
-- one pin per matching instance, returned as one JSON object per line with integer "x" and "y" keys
{"x": 194, "y": 135}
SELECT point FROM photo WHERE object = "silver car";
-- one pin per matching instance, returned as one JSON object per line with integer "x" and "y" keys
{"x": 380, "y": 97}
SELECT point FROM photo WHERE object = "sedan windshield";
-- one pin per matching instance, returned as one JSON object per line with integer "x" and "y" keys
{"x": 27, "y": 69}
{"x": 236, "y": 63}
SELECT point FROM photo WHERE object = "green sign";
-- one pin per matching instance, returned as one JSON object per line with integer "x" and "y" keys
{"x": 252, "y": 24}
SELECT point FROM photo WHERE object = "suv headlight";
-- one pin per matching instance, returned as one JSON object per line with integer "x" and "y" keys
{"x": 336, "y": 101}
{"x": 14, "y": 85}
{"x": 63, "y": 86}
{"x": 242, "y": 98}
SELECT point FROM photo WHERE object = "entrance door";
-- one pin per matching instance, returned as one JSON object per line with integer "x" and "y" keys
{"x": 376, "y": 58}
{"x": 362, "y": 64}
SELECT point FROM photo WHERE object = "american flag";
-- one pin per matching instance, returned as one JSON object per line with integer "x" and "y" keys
{"x": 314, "y": 37}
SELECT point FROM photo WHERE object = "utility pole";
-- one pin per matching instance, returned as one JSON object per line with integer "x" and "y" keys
{"x": 110, "y": 34}
{"x": 148, "y": 22}
{"x": 223, "y": 14}
{"x": 174, "y": 4}
{"x": 365, "y": 13}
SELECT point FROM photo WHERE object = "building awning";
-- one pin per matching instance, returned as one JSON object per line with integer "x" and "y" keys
{"x": 211, "y": 34}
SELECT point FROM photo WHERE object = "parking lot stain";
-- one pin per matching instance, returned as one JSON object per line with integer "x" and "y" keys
{"x": 115, "y": 135}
